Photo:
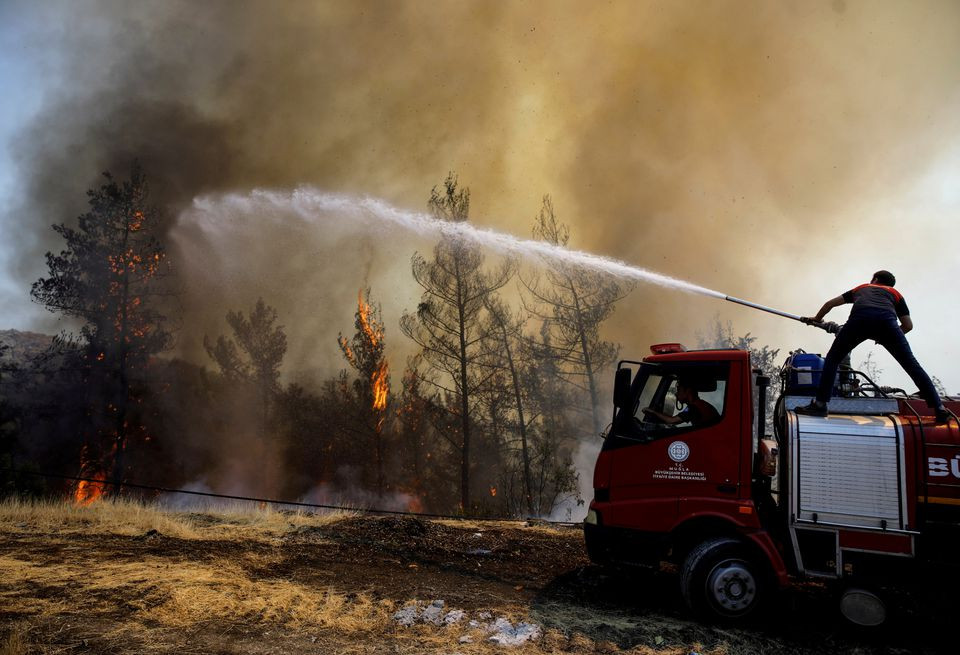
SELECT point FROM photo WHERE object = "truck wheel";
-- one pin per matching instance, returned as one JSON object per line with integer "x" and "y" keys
{"x": 720, "y": 579}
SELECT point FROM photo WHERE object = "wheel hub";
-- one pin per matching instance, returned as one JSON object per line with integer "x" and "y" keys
{"x": 731, "y": 587}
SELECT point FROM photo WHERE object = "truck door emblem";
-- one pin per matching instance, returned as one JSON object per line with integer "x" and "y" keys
{"x": 678, "y": 451}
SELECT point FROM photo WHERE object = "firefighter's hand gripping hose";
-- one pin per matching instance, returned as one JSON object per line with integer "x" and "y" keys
{"x": 829, "y": 326}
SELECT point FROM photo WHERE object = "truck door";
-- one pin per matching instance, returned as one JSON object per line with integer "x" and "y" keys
{"x": 681, "y": 443}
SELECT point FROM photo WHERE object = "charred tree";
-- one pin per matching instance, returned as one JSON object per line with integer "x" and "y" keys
{"x": 110, "y": 277}
{"x": 575, "y": 302}
{"x": 448, "y": 323}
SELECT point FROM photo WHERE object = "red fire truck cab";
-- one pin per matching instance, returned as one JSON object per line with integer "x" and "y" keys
{"x": 866, "y": 494}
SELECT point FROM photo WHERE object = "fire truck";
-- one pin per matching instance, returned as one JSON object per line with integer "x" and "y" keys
{"x": 863, "y": 499}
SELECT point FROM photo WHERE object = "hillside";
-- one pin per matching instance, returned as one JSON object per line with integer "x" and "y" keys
{"x": 23, "y": 345}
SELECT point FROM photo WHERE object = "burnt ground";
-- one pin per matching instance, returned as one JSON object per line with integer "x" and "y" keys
{"x": 508, "y": 569}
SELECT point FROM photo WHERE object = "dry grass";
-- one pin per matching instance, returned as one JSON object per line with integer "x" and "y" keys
{"x": 192, "y": 592}
{"x": 67, "y": 579}
{"x": 244, "y": 521}
{"x": 113, "y": 517}
{"x": 15, "y": 642}
{"x": 68, "y": 589}
{"x": 153, "y": 591}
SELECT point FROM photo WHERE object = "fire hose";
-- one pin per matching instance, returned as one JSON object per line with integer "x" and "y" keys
{"x": 829, "y": 326}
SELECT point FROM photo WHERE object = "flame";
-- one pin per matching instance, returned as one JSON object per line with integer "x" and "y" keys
{"x": 374, "y": 334}
{"x": 373, "y": 331}
{"x": 95, "y": 469}
{"x": 88, "y": 493}
{"x": 493, "y": 491}
{"x": 380, "y": 388}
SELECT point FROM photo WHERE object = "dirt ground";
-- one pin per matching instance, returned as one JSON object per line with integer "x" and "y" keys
{"x": 200, "y": 583}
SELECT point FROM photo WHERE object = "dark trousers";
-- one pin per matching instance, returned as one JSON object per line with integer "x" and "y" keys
{"x": 884, "y": 328}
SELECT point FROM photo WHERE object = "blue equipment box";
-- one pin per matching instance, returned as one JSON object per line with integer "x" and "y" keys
{"x": 804, "y": 373}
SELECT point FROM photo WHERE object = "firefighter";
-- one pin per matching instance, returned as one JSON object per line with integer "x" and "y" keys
{"x": 880, "y": 313}
{"x": 697, "y": 412}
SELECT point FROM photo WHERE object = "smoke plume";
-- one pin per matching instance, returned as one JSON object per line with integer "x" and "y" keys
{"x": 666, "y": 134}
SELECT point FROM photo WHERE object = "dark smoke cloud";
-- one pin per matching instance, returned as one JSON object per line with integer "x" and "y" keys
{"x": 669, "y": 134}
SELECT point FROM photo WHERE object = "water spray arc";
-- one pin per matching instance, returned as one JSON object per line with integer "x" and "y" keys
{"x": 311, "y": 204}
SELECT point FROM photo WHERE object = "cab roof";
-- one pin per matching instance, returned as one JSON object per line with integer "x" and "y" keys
{"x": 712, "y": 355}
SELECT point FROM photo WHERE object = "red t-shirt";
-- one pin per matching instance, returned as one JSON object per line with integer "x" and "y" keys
{"x": 876, "y": 296}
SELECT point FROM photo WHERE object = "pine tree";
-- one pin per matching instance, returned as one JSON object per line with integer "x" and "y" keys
{"x": 506, "y": 353}
{"x": 254, "y": 355}
{"x": 448, "y": 324}
{"x": 575, "y": 302}
{"x": 110, "y": 277}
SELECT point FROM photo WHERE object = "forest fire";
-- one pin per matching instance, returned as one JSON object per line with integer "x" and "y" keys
{"x": 445, "y": 433}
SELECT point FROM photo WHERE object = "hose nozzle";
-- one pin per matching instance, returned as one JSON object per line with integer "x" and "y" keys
{"x": 828, "y": 326}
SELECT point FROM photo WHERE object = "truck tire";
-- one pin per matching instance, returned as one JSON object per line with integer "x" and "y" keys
{"x": 721, "y": 580}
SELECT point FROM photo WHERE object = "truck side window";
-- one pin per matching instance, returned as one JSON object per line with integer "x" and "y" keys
{"x": 677, "y": 398}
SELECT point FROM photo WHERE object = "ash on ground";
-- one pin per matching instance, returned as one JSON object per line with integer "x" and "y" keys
{"x": 500, "y": 631}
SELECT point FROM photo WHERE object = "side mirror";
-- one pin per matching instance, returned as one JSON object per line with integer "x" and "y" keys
{"x": 621, "y": 388}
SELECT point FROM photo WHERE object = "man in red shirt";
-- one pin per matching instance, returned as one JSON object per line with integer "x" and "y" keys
{"x": 880, "y": 313}
{"x": 698, "y": 411}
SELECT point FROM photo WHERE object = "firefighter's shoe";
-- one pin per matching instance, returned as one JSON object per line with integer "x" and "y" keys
{"x": 942, "y": 415}
{"x": 813, "y": 409}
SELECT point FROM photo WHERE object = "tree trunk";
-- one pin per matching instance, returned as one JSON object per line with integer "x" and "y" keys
{"x": 124, "y": 392}
{"x": 527, "y": 484}
{"x": 379, "y": 444}
{"x": 464, "y": 400}
{"x": 587, "y": 363}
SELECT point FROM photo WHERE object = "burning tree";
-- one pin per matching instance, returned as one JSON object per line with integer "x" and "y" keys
{"x": 448, "y": 323}
{"x": 110, "y": 277}
{"x": 365, "y": 353}
{"x": 575, "y": 302}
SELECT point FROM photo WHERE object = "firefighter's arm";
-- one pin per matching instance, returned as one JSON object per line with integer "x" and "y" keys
{"x": 827, "y": 306}
{"x": 666, "y": 418}
{"x": 906, "y": 323}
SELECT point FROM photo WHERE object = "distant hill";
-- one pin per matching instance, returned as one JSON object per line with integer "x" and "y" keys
{"x": 23, "y": 345}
